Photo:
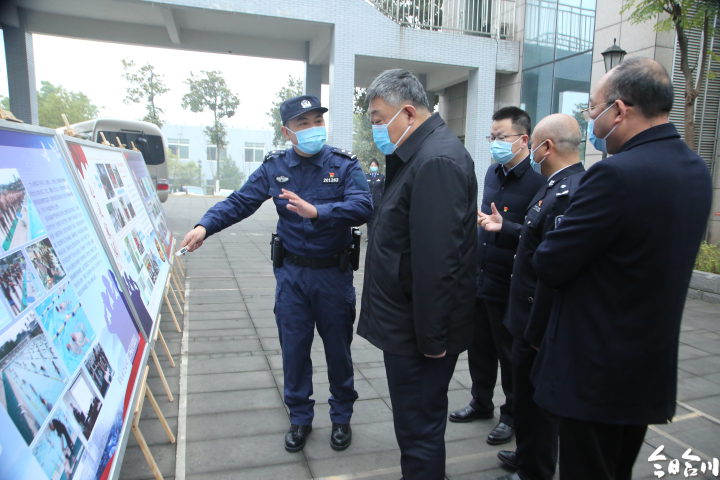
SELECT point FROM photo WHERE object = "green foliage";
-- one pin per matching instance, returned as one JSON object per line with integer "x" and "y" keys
{"x": 209, "y": 91}
{"x": 53, "y": 101}
{"x": 230, "y": 175}
{"x": 294, "y": 88}
{"x": 363, "y": 144}
{"x": 708, "y": 259}
{"x": 146, "y": 85}
{"x": 677, "y": 11}
{"x": 182, "y": 172}
{"x": 5, "y": 103}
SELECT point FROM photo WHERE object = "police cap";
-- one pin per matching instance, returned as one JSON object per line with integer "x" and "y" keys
{"x": 296, "y": 106}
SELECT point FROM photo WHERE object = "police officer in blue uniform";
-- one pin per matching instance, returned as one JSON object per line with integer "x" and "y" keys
{"x": 320, "y": 192}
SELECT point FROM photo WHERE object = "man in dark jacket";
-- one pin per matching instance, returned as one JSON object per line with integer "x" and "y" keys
{"x": 417, "y": 303}
{"x": 509, "y": 186}
{"x": 556, "y": 142}
{"x": 621, "y": 260}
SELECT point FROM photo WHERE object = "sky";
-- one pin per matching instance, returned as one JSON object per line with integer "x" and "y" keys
{"x": 255, "y": 81}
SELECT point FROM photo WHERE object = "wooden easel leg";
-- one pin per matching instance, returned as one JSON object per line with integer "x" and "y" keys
{"x": 167, "y": 350}
{"x": 177, "y": 325}
{"x": 146, "y": 451}
{"x": 160, "y": 414}
{"x": 182, "y": 287}
{"x": 176, "y": 301}
{"x": 162, "y": 375}
{"x": 178, "y": 288}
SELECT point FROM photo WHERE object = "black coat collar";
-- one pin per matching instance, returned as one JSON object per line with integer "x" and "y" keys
{"x": 410, "y": 146}
{"x": 663, "y": 131}
{"x": 519, "y": 169}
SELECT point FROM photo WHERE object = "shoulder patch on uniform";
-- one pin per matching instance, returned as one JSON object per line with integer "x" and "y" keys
{"x": 273, "y": 153}
{"x": 346, "y": 153}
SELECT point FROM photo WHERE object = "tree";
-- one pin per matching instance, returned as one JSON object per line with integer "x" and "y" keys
{"x": 681, "y": 18}
{"x": 363, "y": 143}
{"x": 230, "y": 175}
{"x": 182, "y": 172}
{"x": 53, "y": 101}
{"x": 294, "y": 88}
{"x": 212, "y": 93}
{"x": 146, "y": 85}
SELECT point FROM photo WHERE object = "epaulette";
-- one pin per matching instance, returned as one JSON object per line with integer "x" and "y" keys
{"x": 345, "y": 153}
{"x": 273, "y": 153}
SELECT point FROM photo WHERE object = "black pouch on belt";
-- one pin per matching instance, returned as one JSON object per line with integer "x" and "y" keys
{"x": 355, "y": 256}
{"x": 277, "y": 252}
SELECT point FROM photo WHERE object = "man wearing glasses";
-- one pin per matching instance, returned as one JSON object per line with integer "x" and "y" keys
{"x": 510, "y": 184}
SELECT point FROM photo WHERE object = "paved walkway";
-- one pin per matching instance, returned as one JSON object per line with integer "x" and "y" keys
{"x": 235, "y": 419}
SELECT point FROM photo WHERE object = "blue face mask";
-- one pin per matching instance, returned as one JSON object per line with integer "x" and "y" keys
{"x": 310, "y": 140}
{"x": 536, "y": 165}
{"x": 599, "y": 143}
{"x": 373, "y": 169}
{"x": 502, "y": 151}
{"x": 382, "y": 137}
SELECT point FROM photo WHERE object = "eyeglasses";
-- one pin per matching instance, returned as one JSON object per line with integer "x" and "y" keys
{"x": 586, "y": 111}
{"x": 502, "y": 138}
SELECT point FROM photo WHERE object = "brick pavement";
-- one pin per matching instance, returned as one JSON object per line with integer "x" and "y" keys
{"x": 236, "y": 419}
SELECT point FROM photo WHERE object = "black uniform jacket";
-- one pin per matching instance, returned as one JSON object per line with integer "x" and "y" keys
{"x": 621, "y": 260}
{"x": 418, "y": 296}
{"x": 377, "y": 185}
{"x": 512, "y": 194}
{"x": 530, "y": 303}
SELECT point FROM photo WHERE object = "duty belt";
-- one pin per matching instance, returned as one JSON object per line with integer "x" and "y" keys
{"x": 328, "y": 262}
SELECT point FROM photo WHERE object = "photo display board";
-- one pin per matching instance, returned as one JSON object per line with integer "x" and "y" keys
{"x": 70, "y": 350}
{"x": 138, "y": 253}
{"x": 146, "y": 187}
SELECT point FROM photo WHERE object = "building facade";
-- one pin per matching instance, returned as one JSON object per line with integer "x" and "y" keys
{"x": 246, "y": 148}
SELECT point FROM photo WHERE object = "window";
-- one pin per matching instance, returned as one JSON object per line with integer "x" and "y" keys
{"x": 211, "y": 153}
{"x": 180, "y": 147}
{"x": 254, "y": 152}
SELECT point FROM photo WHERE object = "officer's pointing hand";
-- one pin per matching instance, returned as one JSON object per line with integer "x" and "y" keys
{"x": 492, "y": 222}
{"x": 194, "y": 238}
{"x": 298, "y": 205}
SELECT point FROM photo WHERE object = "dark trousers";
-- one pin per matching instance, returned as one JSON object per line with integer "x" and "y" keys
{"x": 418, "y": 393}
{"x": 491, "y": 342}
{"x": 536, "y": 429}
{"x": 598, "y": 451}
{"x": 306, "y": 298}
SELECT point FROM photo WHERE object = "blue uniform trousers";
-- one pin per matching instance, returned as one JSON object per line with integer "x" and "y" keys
{"x": 306, "y": 298}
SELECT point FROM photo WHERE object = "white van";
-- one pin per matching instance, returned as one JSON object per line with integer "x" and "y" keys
{"x": 147, "y": 137}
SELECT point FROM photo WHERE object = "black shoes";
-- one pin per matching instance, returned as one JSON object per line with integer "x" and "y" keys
{"x": 296, "y": 437}
{"x": 340, "y": 437}
{"x": 501, "y": 434}
{"x": 468, "y": 414}
{"x": 508, "y": 458}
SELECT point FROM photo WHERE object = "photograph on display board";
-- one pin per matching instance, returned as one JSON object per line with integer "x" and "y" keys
{"x": 141, "y": 184}
{"x": 67, "y": 325}
{"x": 46, "y": 263}
{"x": 130, "y": 252}
{"x": 117, "y": 176}
{"x": 99, "y": 369}
{"x": 19, "y": 221}
{"x": 59, "y": 449}
{"x": 32, "y": 375}
{"x": 138, "y": 242}
{"x": 83, "y": 403}
{"x": 159, "y": 249}
{"x": 112, "y": 174}
{"x": 117, "y": 218}
{"x": 152, "y": 267}
{"x": 129, "y": 205}
{"x": 19, "y": 285}
{"x": 105, "y": 181}
{"x": 124, "y": 208}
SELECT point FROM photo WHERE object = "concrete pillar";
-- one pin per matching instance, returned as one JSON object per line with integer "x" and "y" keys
{"x": 20, "y": 61}
{"x": 342, "y": 88}
{"x": 479, "y": 120}
{"x": 313, "y": 76}
{"x": 430, "y": 95}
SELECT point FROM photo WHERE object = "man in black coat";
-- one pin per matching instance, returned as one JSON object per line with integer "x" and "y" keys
{"x": 556, "y": 142}
{"x": 621, "y": 261}
{"x": 418, "y": 302}
{"x": 509, "y": 185}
